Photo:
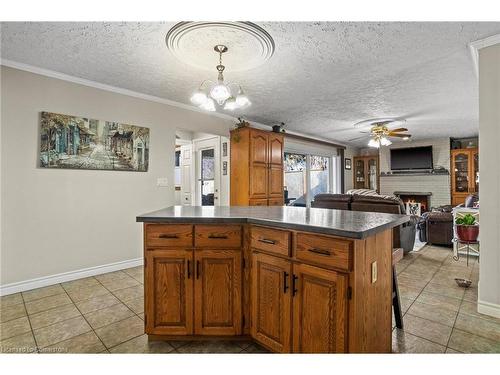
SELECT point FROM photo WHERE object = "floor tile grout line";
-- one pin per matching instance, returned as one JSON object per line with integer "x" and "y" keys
{"x": 31, "y": 327}
{"x": 133, "y": 312}
{"x": 83, "y": 316}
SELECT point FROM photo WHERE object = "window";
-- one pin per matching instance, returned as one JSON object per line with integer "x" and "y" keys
{"x": 295, "y": 177}
{"x": 306, "y": 176}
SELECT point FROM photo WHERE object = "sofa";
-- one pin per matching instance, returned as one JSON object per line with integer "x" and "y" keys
{"x": 436, "y": 227}
{"x": 403, "y": 236}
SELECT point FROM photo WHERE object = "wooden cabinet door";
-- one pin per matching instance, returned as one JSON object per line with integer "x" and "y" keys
{"x": 319, "y": 310}
{"x": 275, "y": 189}
{"x": 271, "y": 302}
{"x": 276, "y": 149}
{"x": 169, "y": 292}
{"x": 217, "y": 292}
{"x": 474, "y": 169}
{"x": 258, "y": 147}
{"x": 258, "y": 181}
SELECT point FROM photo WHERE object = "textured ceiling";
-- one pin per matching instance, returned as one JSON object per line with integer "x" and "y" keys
{"x": 322, "y": 78}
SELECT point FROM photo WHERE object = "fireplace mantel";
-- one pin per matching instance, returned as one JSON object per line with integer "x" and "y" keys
{"x": 398, "y": 193}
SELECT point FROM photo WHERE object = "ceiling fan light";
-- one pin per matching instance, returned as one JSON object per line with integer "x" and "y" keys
{"x": 406, "y": 138}
{"x": 374, "y": 143}
{"x": 231, "y": 104}
{"x": 209, "y": 105}
{"x": 220, "y": 93}
{"x": 385, "y": 142}
{"x": 199, "y": 97}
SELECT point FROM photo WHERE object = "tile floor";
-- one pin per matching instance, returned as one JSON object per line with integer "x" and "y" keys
{"x": 104, "y": 314}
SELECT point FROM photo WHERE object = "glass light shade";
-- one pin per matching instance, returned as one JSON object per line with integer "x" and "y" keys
{"x": 374, "y": 143}
{"x": 385, "y": 142}
{"x": 242, "y": 100}
{"x": 406, "y": 138}
{"x": 220, "y": 92}
{"x": 209, "y": 105}
{"x": 231, "y": 104}
{"x": 199, "y": 97}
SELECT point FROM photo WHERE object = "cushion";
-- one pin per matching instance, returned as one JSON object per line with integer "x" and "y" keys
{"x": 361, "y": 192}
{"x": 333, "y": 197}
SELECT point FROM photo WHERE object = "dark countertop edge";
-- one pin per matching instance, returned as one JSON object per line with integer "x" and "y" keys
{"x": 277, "y": 224}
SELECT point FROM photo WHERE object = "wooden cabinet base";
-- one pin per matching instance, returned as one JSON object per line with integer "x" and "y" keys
{"x": 290, "y": 291}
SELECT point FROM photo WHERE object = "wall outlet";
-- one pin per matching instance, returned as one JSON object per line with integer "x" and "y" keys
{"x": 374, "y": 272}
{"x": 163, "y": 182}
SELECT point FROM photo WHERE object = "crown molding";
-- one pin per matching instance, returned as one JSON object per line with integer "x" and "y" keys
{"x": 114, "y": 89}
{"x": 475, "y": 46}
{"x": 126, "y": 92}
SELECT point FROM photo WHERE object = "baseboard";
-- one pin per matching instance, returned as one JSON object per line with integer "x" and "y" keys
{"x": 40, "y": 282}
{"x": 487, "y": 308}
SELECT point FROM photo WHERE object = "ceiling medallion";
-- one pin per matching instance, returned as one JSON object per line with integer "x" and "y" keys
{"x": 220, "y": 92}
{"x": 191, "y": 43}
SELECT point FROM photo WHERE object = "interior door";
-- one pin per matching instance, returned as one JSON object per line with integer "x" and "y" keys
{"x": 271, "y": 302}
{"x": 207, "y": 171}
{"x": 217, "y": 292}
{"x": 319, "y": 310}
{"x": 187, "y": 175}
{"x": 169, "y": 297}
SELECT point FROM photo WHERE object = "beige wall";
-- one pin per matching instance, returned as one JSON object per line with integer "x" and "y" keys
{"x": 56, "y": 220}
{"x": 489, "y": 162}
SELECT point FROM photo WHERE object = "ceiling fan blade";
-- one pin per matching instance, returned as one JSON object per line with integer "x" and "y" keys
{"x": 398, "y": 130}
{"x": 399, "y": 135}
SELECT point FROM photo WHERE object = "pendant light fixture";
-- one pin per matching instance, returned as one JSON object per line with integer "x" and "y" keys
{"x": 229, "y": 95}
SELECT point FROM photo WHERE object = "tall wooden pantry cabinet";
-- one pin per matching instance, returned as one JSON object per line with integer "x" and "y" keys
{"x": 256, "y": 167}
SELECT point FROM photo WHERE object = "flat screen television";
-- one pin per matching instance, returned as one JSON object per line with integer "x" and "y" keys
{"x": 411, "y": 158}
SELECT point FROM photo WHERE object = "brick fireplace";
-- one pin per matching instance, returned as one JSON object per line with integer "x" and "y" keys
{"x": 416, "y": 202}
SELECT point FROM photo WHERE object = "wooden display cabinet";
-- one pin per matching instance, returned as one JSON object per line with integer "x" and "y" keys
{"x": 464, "y": 174}
{"x": 366, "y": 172}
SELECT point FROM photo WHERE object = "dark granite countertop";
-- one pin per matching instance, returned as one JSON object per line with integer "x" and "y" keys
{"x": 352, "y": 224}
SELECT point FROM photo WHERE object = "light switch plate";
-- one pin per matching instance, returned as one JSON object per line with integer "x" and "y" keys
{"x": 163, "y": 182}
{"x": 374, "y": 272}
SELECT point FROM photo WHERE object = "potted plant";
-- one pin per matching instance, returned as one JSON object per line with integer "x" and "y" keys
{"x": 467, "y": 228}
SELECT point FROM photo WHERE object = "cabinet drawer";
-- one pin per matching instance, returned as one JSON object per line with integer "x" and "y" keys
{"x": 271, "y": 240}
{"x": 222, "y": 236}
{"x": 169, "y": 235}
{"x": 275, "y": 202}
{"x": 324, "y": 251}
{"x": 257, "y": 202}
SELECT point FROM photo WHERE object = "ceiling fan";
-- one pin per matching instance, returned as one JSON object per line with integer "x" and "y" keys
{"x": 379, "y": 132}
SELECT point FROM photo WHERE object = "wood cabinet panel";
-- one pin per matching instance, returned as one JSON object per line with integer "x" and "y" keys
{"x": 271, "y": 302}
{"x": 168, "y": 235}
{"x": 275, "y": 202}
{"x": 319, "y": 310}
{"x": 271, "y": 240}
{"x": 324, "y": 251}
{"x": 276, "y": 145}
{"x": 275, "y": 189}
{"x": 169, "y": 295}
{"x": 221, "y": 236}
{"x": 258, "y": 181}
{"x": 258, "y": 147}
{"x": 257, "y": 202}
{"x": 217, "y": 292}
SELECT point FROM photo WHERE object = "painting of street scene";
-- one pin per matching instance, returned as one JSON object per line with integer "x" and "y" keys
{"x": 83, "y": 143}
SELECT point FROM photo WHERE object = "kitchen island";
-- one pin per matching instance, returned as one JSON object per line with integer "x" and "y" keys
{"x": 294, "y": 279}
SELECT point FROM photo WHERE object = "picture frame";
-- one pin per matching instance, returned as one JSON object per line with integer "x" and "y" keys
{"x": 347, "y": 164}
{"x": 224, "y": 168}
{"x": 224, "y": 149}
